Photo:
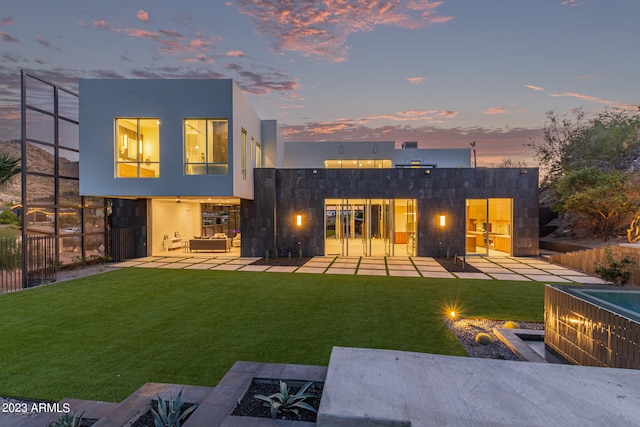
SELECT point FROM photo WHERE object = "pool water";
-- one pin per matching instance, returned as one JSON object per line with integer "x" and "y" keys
{"x": 627, "y": 300}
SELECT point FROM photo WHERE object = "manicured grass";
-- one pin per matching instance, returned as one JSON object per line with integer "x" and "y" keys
{"x": 102, "y": 337}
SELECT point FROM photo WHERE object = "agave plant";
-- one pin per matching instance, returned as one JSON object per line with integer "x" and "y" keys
{"x": 286, "y": 402}
{"x": 170, "y": 414}
{"x": 67, "y": 420}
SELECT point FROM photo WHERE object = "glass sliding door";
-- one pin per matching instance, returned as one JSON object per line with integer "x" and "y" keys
{"x": 488, "y": 226}
{"x": 370, "y": 227}
{"x": 477, "y": 227}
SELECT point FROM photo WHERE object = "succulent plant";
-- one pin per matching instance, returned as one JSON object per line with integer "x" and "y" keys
{"x": 286, "y": 402}
{"x": 67, "y": 420}
{"x": 510, "y": 325}
{"x": 171, "y": 413}
{"x": 483, "y": 338}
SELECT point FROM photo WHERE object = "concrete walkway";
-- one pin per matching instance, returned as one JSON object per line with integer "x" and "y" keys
{"x": 391, "y": 388}
{"x": 492, "y": 268}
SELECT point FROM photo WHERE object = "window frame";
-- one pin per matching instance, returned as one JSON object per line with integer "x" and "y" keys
{"x": 126, "y": 158}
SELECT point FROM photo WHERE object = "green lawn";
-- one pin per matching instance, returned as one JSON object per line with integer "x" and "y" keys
{"x": 102, "y": 337}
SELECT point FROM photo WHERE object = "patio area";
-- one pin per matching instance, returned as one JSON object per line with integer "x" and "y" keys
{"x": 491, "y": 268}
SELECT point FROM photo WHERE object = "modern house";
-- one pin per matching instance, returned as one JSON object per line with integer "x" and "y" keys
{"x": 180, "y": 159}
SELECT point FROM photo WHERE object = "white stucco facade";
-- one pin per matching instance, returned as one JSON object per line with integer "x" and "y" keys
{"x": 102, "y": 101}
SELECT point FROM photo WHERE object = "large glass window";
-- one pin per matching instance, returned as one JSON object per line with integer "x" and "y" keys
{"x": 258, "y": 155}
{"x": 137, "y": 148}
{"x": 358, "y": 164}
{"x": 243, "y": 148}
{"x": 206, "y": 146}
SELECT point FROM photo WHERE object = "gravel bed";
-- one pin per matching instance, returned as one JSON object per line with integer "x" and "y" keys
{"x": 466, "y": 330}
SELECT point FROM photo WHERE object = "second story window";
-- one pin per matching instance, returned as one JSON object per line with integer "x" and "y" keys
{"x": 137, "y": 148}
{"x": 206, "y": 146}
{"x": 243, "y": 148}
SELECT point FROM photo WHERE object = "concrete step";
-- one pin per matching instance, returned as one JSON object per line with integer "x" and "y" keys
{"x": 90, "y": 409}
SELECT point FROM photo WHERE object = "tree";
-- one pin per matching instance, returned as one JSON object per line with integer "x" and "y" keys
{"x": 9, "y": 168}
{"x": 594, "y": 194}
{"x": 511, "y": 163}
{"x": 551, "y": 153}
{"x": 609, "y": 141}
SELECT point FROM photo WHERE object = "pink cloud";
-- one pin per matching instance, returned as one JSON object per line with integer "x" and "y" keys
{"x": 235, "y": 53}
{"x": 6, "y": 21}
{"x": 201, "y": 58}
{"x": 495, "y": 110}
{"x": 46, "y": 43}
{"x": 430, "y": 116}
{"x": 170, "y": 41}
{"x": 143, "y": 15}
{"x": 8, "y": 38}
{"x": 448, "y": 114}
{"x": 415, "y": 80}
{"x": 101, "y": 24}
{"x": 321, "y": 29}
{"x": 594, "y": 99}
{"x": 572, "y": 3}
{"x": 532, "y": 87}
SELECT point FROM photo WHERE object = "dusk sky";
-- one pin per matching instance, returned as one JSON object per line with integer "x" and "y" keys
{"x": 443, "y": 73}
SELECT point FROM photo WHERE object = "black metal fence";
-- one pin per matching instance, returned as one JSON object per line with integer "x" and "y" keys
{"x": 122, "y": 243}
{"x": 39, "y": 262}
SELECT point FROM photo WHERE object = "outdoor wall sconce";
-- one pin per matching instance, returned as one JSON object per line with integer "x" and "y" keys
{"x": 299, "y": 220}
{"x": 427, "y": 172}
{"x": 315, "y": 171}
{"x": 178, "y": 199}
{"x": 442, "y": 221}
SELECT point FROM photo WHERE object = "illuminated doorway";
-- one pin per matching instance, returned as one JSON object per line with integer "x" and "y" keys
{"x": 489, "y": 226}
{"x": 370, "y": 227}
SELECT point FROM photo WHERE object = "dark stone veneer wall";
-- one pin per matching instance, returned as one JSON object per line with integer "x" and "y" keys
{"x": 281, "y": 194}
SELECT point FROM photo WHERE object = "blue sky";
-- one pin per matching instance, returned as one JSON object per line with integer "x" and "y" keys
{"x": 442, "y": 73}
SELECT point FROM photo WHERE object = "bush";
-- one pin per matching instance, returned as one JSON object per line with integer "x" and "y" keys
{"x": 8, "y": 217}
{"x": 483, "y": 338}
{"x": 510, "y": 325}
{"x": 617, "y": 272}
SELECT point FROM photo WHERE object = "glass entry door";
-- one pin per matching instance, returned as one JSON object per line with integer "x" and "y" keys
{"x": 370, "y": 227}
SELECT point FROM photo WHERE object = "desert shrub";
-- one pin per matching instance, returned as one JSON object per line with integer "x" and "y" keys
{"x": 285, "y": 401}
{"x": 483, "y": 338}
{"x": 510, "y": 325}
{"x": 613, "y": 270}
{"x": 67, "y": 420}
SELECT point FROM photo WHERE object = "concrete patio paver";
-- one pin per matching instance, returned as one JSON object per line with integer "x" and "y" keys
{"x": 491, "y": 268}
{"x": 281, "y": 269}
{"x": 472, "y": 276}
{"x": 198, "y": 267}
{"x": 371, "y": 272}
{"x": 336, "y": 270}
{"x": 226, "y": 267}
{"x": 549, "y": 278}
{"x": 509, "y": 276}
{"x": 404, "y": 273}
{"x": 314, "y": 270}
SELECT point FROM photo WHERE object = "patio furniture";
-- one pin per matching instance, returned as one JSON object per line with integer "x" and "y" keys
{"x": 210, "y": 245}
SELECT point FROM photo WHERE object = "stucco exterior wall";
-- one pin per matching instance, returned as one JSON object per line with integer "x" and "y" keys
{"x": 170, "y": 101}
